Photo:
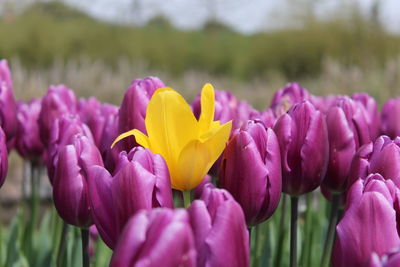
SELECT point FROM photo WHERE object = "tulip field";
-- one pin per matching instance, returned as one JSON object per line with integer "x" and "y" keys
{"x": 310, "y": 180}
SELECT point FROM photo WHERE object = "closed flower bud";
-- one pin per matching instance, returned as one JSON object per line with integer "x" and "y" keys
{"x": 251, "y": 171}
{"x": 347, "y": 131}
{"x": 62, "y": 133}
{"x": 8, "y": 107}
{"x": 286, "y": 97}
{"x": 70, "y": 189}
{"x": 219, "y": 228}
{"x": 391, "y": 118}
{"x": 141, "y": 181}
{"x": 133, "y": 108}
{"x": 303, "y": 140}
{"x": 28, "y": 142}
{"x": 382, "y": 156}
{"x": 158, "y": 237}
{"x": 369, "y": 224}
{"x": 57, "y": 101}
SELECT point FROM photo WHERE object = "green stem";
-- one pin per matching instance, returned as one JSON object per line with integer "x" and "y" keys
{"x": 85, "y": 247}
{"x": 326, "y": 254}
{"x": 307, "y": 231}
{"x": 281, "y": 232}
{"x": 186, "y": 198}
{"x": 61, "y": 247}
{"x": 293, "y": 230}
{"x": 256, "y": 241}
{"x": 35, "y": 186}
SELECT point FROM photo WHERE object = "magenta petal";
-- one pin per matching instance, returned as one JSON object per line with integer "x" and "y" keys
{"x": 102, "y": 204}
{"x": 228, "y": 237}
{"x": 70, "y": 189}
{"x": 367, "y": 227}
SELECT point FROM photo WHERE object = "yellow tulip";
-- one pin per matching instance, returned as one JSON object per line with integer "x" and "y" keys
{"x": 189, "y": 146}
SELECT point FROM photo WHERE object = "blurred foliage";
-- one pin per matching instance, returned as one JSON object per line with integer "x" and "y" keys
{"x": 46, "y": 32}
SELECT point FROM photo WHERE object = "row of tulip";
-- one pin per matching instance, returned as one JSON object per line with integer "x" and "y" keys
{"x": 124, "y": 169}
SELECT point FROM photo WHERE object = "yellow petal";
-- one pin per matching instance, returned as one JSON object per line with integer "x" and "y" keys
{"x": 140, "y": 137}
{"x": 170, "y": 124}
{"x": 193, "y": 165}
{"x": 217, "y": 139}
{"x": 207, "y": 108}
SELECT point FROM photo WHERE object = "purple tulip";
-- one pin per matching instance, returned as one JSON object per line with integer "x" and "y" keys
{"x": 3, "y": 157}
{"x": 219, "y": 228}
{"x": 89, "y": 111}
{"x": 8, "y": 107}
{"x": 347, "y": 131}
{"x": 324, "y": 103}
{"x": 369, "y": 224}
{"x": 287, "y": 96}
{"x": 391, "y": 259}
{"x": 382, "y": 156}
{"x": 58, "y": 100}
{"x": 303, "y": 140}
{"x": 141, "y": 181}
{"x": 109, "y": 133}
{"x": 62, "y": 133}
{"x": 28, "y": 142}
{"x": 267, "y": 117}
{"x": 70, "y": 189}
{"x": 390, "y": 117}
{"x": 251, "y": 171}
{"x": 158, "y": 237}
{"x": 227, "y": 108}
{"x": 372, "y": 111}
{"x": 133, "y": 108}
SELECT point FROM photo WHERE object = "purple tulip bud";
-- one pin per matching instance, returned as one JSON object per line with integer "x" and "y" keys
{"x": 287, "y": 96}
{"x": 95, "y": 115}
{"x": 347, "y": 131}
{"x": 158, "y": 237}
{"x": 219, "y": 229}
{"x": 324, "y": 103}
{"x": 141, "y": 181}
{"x": 57, "y": 101}
{"x": 62, "y": 133}
{"x": 369, "y": 223}
{"x": 372, "y": 111}
{"x": 390, "y": 117}
{"x": 382, "y": 156}
{"x": 8, "y": 107}
{"x": 109, "y": 133}
{"x": 303, "y": 140}
{"x": 251, "y": 171}
{"x": 227, "y": 108}
{"x": 133, "y": 108}
{"x": 267, "y": 117}
{"x": 3, "y": 157}
{"x": 28, "y": 142}
{"x": 70, "y": 190}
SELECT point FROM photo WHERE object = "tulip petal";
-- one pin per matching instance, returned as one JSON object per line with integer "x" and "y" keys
{"x": 207, "y": 108}
{"x": 170, "y": 124}
{"x": 216, "y": 142}
{"x": 140, "y": 137}
{"x": 193, "y": 164}
{"x": 102, "y": 204}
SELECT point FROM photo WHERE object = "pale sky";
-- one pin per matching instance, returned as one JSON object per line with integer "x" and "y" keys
{"x": 246, "y": 16}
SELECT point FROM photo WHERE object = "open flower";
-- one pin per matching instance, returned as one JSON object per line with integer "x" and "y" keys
{"x": 189, "y": 146}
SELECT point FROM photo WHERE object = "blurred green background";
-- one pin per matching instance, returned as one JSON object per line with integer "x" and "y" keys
{"x": 53, "y": 42}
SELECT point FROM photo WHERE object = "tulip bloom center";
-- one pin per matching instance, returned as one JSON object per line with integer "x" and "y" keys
{"x": 189, "y": 146}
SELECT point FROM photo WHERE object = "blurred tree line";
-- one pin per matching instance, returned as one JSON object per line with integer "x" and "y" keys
{"x": 49, "y": 31}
